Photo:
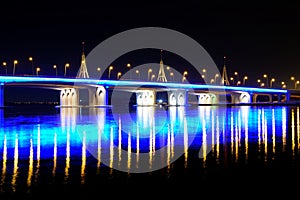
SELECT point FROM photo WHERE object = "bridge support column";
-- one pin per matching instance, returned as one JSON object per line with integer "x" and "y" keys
{"x": 97, "y": 96}
{"x": 69, "y": 97}
{"x": 145, "y": 98}
{"x": 208, "y": 98}
{"x": 1, "y": 95}
{"x": 177, "y": 97}
{"x": 243, "y": 97}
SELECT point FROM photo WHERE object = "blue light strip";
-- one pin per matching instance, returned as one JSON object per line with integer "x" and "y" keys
{"x": 18, "y": 79}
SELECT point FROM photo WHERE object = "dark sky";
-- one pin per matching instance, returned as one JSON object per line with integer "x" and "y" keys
{"x": 256, "y": 37}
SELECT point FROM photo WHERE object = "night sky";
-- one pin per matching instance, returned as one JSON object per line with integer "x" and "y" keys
{"x": 256, "y": 37}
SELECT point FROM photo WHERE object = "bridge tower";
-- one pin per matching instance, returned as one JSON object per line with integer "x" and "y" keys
{"x": 161, "y": 74}
{"x": 83, "y": 73}
{"x": 224, "y": 78}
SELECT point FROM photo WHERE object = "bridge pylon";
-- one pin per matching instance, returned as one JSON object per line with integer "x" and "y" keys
{"x": 82, "y": 72}
{"x": 224, "y": 78}
{"x": 161, "y": 74}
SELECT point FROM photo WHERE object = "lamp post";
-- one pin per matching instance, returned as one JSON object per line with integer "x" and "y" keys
{"x": 216, "y": 76}
{"x": 258, "y": 81}
{"x": 14, "y": 69}
{"x": 55, "y": 68}
{"x": 271, "y": 82}
{"x": 99, "y": 69}
{"x": 293, "y": 79}
{"x": 152, "y": 77}
{"x": 138, "y": 73}
{"x": 283, "y": 84}
{"x": 266, "y": 77}
{"x": 119, "y": 75}
{"x": 5, "y": 65}
{"x": 244, "y": 79}
{"x": 232, "y": 79}
{"x": 212, "y": 81}
{"x": 129, "y": 66}
{"x": 238, "y": 83}
{"x": 32, "y": 68}
{"x": 296, "y": 83}
{"x": 38, "y": 70}
{"x": 109, "y": 71}
{"x": 66, "y": 66}
{"x": 183, "y": 76}
{"x": 172, "y": 76}
{"x": 149, "y": 72}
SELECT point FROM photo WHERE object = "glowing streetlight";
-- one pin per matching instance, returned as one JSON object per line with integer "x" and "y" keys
{"x": 244, "y": 79}
{"x": 262, "y": 84}
{"x": 152, "y": 77}
{"x": 38, "y": 70}
{"x": 14, "y": 69}
{"x": 138, "y": 73}
{"x": 272, "y": 81}
{"x": 216, "y": 76}
{"x": 258, "y": 81}
{"x": 119, "y": 75}
{"x": 31, "y": 60}
{"x": 55, "y": 68}
{"x": 183, "y": 76}
{"x": 296, "y": 83}
{"x": 266, "y": 77}
{"x": 5, "y": 65}
{"x": 172, "y": 76}
{"x": 293, "y": 79}
{"x": 238, "y": 83}
{"x": 212, "y": 81}
{"x": 99, "y": 69}
{"x": 232, "y": 79}
{"x": 129, "y": 66}
{"x": 237, "y": 76}
{"x": 109, "y": 71}
{"x": 149, "y": 72}
{"x": 66, "y": 66}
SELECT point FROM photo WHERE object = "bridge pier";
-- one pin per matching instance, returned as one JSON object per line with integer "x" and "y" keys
{"x": 255, "y": 98}
{"x": 208, "y": 98}
{"x": 177, "y": 97}
{"x": 243, "y": 97}
{"x": 97, "y": 96}
{"x": 145, "y": 97}
{"x": 69, "y": 97}
{"x": 1, "y": 95}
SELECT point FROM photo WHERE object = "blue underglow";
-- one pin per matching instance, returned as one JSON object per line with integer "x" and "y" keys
{"x": 120, "y": 83}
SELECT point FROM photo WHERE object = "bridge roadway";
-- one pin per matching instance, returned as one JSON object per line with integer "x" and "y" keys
{"x": 145, "y": 91}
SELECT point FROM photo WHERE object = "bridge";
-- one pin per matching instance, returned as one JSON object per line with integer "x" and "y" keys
{"x": 145, "y": 92}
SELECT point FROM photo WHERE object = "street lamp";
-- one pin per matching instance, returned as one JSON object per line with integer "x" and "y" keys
{"x": 172, "y": 75}
{"x": 152, "y": 77}
{"x": 244, "y": 79}
{"x": 38, "y": 70}
{"x": 149, "y": 72}
{"x": 183, "y": 76}
{"x": 129, "y": 66}
{"x": 32, "y": 68}
{"x": 271, "y": 82}
{"x": 238, "y": 83}
{"x": 293, "y": 79}
{"x": 262, "y": 84}
{"x": 119, "y": 75}
{"x": 237, "y": 76}
{"x": 66, "y": 66}
{"x": 296, "y": 83}
{"x": 212, "y": 81}
{"x": 55, "y": 67}
{"x": 258, "y": 81}
{"x": 5, "y": 65}
{"x": 216, "y": 76}
{"x": 266, "y": 77}
{"x": 232, "y": 79}
{"x": 99, "y": 69}
{"x": 138, "y": 73}
{"x": 109, "y": 71}
{"x": 283, "y": 84}
{"x": 14, "y": 69}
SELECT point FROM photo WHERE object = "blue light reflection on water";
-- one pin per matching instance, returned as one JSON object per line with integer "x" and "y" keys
{"x": 55, "y": 145}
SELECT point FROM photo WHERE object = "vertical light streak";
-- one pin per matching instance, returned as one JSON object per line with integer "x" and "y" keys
{"x": 298, "y": 129}
{"x": 273, "y": 132}
{"x": 30, "y": 167}
{"x": 120, "y": 141}
{"x": 16, "y": 159}
{"x": 38, "y": 153}
{"x": 293, "y": 131}
{"x": 4, "y": 160}
{"x": 283, "y": 129}
{"x": 54, "y": 155}
{"x": 83, "y": 158}
{"x": 185, "y": 140}
{"x": 111, "y": 150}
{"x": 67, "y": 156}
{"x": 129, "y": 152}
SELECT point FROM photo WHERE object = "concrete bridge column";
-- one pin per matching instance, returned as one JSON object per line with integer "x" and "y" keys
{"x": 145, "y": 98}
{"x": 243, "y": 97}
{"x": 97, "y": 96}
{"x": 207, "y": 98}
{"x": 177, "y": 97}
{"x": 256, "y": 98}
{"x": 69, "y": 97}
{"x": 1, "y": 95}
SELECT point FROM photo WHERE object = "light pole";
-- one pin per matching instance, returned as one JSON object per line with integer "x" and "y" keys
{"x": 238, "y": 83}
{"x": 204, "y": 74}
{"x": 232, "y": 79}
{"x": 244, "y": 79}
{"x": 129, "y": 66}
{"x": 99, "y": 69}
{"x": 32, "y": 68}
{"x": 119, "y": 75}
{"x": 109, "y": 71}
{"x": 183, "y": 76}
{"x": 293, "y": 79}
{"x": 271, "y": 82}
{"x": 152, "y": 77}
{"x": 216, "y": 76}
{"x": 138, "y": 73}
{"x": 266, "y": 77}
{"x": 5, "y": 65}
{"x": 237, "y": 76}
{"x": 14, "y": 69}
{"x": 55, "y": 68}
{"x": 66, "y": 66}
{"x": 149, "y": 72}
{"x": 172, "y": 76}
{"x": 283, "y": 84}
{"x": 212, "y": 81}
{"x": 296, "y": 83}
{"x": 38, "y": 70}
{"x": 258, "y": 81}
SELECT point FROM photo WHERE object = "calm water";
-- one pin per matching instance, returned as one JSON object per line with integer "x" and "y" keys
{"x": 46, "y": 150}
